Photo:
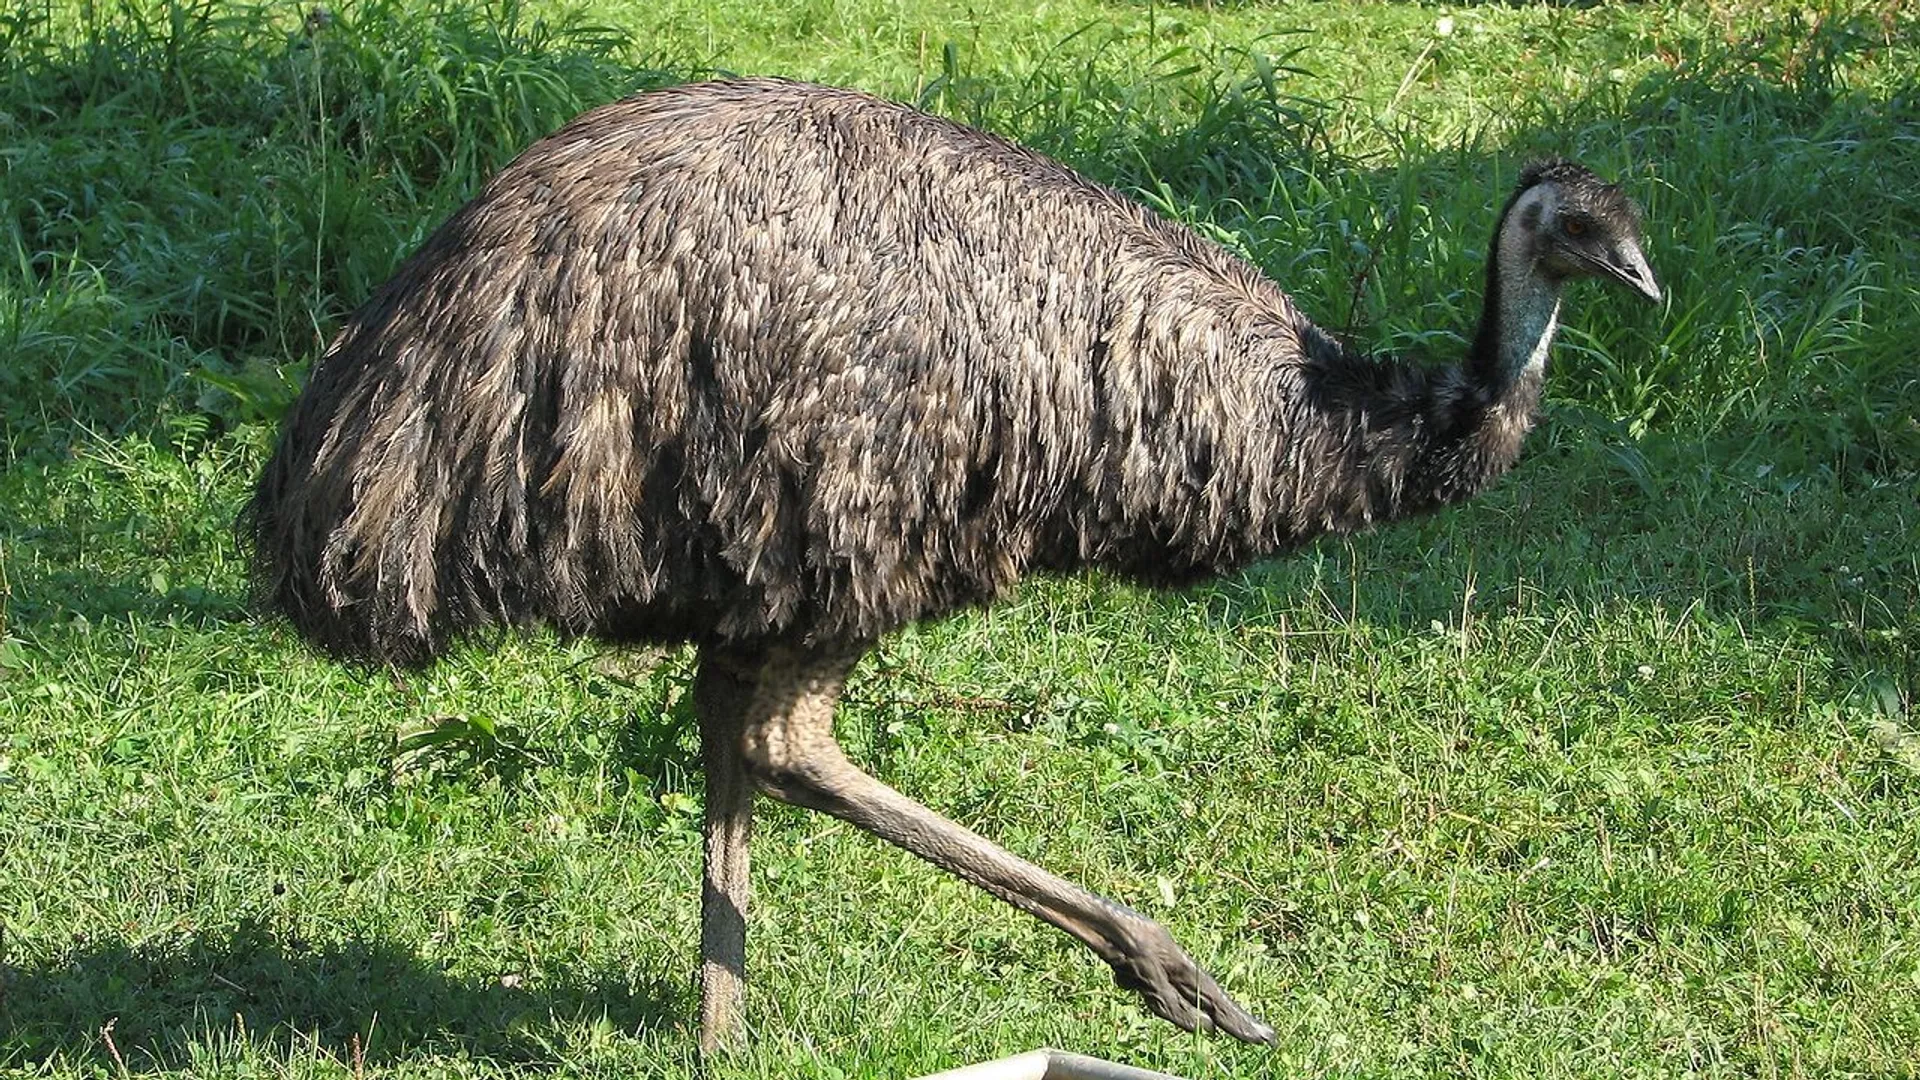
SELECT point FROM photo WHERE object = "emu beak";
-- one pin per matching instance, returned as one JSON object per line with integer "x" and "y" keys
{"x": 1626, "y": 265}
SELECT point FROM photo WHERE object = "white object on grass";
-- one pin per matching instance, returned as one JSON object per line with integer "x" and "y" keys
{"x": 1049, "y": 1065}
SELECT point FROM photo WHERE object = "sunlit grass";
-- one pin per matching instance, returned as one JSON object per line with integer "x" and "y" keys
{"x": 1612, "y": 773}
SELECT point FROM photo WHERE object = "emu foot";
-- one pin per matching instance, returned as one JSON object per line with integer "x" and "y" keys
{"x": 1153, "y": 965}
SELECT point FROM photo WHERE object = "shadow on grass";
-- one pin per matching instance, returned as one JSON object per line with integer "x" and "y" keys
{"x": 61, "y": 597}
{"x": 163, "y": 1005}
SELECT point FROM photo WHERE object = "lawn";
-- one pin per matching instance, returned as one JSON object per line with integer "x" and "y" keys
{"x": 1614, "y": 772}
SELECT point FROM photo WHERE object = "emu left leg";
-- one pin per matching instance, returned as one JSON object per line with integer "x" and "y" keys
{"x": 720, "y": 700}
{"x": 791, "y": 755}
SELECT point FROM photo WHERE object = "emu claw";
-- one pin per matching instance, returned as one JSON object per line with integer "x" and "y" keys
{"x": 1154, "y": 966}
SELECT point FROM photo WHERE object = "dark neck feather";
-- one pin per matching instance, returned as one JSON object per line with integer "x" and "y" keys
{"x": 1483, "y": 360}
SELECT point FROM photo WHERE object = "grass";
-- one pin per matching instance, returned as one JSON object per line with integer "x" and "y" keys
{"x": 1611, "y": 773}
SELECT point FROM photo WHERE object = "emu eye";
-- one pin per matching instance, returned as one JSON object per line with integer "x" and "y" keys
{"x": 1575, "y": 227}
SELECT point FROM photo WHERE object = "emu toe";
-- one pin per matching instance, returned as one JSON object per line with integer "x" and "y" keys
{"x": 1177, "y": 989}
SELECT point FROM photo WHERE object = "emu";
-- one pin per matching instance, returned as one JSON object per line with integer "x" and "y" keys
{"x": 774, "y": 369}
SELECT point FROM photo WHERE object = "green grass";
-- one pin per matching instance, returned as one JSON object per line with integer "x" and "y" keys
{"x": 1611, "y": 773}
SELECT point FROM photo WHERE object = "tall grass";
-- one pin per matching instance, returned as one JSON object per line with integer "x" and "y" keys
{"x": 197, "y": 192}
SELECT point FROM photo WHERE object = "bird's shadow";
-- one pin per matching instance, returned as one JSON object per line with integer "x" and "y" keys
{"x": 43, "y": 599}
{"x": 114, "y": 1005}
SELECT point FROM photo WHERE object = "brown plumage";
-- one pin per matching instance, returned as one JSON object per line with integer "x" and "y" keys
{"x": 778, "y": 368}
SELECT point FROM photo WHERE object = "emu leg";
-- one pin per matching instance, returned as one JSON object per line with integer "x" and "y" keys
{"x": 720, "y": 700}
{"x": 791, "y": 754}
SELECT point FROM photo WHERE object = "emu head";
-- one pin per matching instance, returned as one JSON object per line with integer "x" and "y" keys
{"x": 1566, "y": 223}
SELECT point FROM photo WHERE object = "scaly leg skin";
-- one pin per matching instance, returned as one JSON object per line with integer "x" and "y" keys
{"x": 791, "y": 754}
{"x": 719, "y": 699}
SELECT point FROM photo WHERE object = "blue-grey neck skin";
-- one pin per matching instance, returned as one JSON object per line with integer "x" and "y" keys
{"x": 1522, "y": 310}
{"x": 1528, "y": 318}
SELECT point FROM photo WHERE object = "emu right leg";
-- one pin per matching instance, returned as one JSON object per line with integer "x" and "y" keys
{"x": 720, "y": 700}
{"x": 792, "y": 755}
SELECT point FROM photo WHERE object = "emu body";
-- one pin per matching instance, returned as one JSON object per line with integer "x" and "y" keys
{"x": 776, "y": 369}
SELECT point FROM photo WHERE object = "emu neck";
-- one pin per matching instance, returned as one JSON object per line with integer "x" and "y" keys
{"x": 1524, "y": 323}
{"x": 1317, "y": 438}
{"x": 1417, "y": 438}
{"x": 1522, "y": 309}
